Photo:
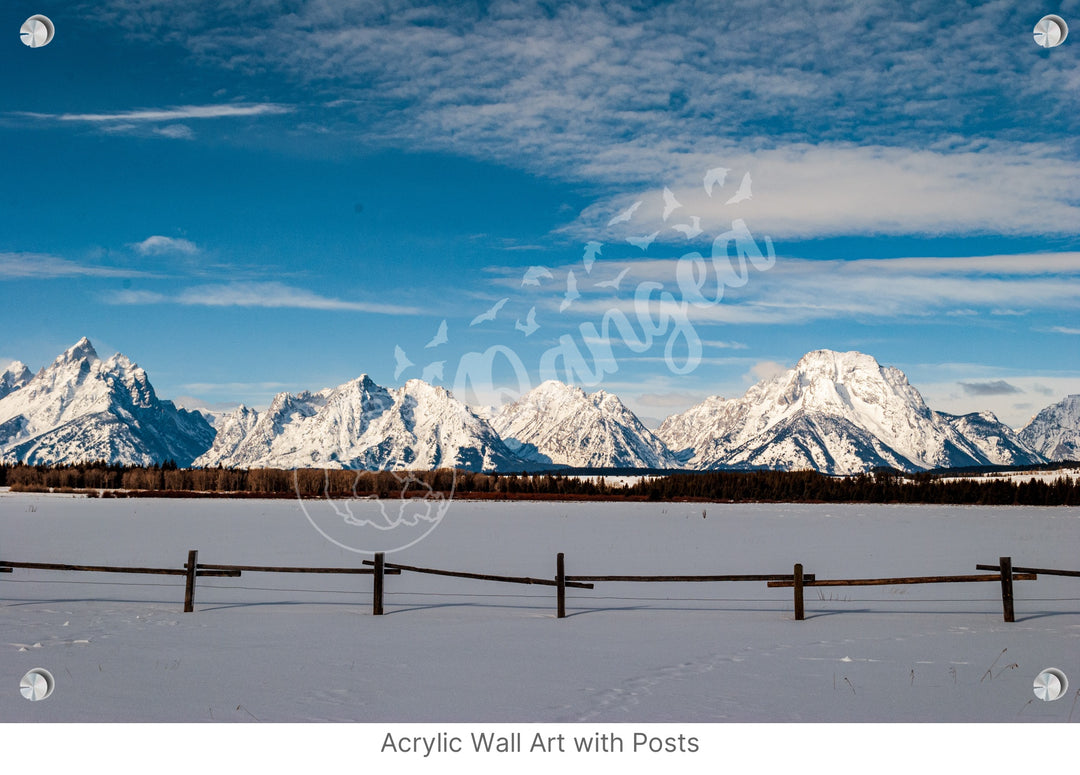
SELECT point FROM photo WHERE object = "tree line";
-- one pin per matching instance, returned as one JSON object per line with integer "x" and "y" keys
{"x": 885, "y": 486}
{"x": 875, "y": 487}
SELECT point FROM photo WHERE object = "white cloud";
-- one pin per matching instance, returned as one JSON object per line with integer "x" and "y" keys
{"x": 136, "y": 297}
{"x": 158, "y": 245}
{"x": 800, "y": 290}
{"x": 802, "y": 190}
{"x": 883, "y": 136}
{"x": 723, "y": 345}
{"x": 184, "y": 112}
{"x": 41, "y": 266}
{"x": 176, "y": 132}
{"x": 839, "y": 137}
{"x": 996, "y": 387}
{"x": 257, "y": 294}
{"x": 765, "y": 370}
{"x": 148, "y": 122}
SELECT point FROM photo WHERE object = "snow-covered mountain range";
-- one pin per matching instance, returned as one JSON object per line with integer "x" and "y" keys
{"x": 360, "y": 425}
{"x": 83, "y": 408}
{"x": 834, "y": 412}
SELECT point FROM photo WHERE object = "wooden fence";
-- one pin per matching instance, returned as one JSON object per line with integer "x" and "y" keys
{"x": 1005, "y": 576}
{"x": 1005, "y": 573}
{"x": 194, "y": 569}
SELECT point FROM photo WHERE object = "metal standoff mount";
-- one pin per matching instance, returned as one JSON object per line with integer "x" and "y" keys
{"x": 1051, "y": 31}
{"x": 37, "y": 31}
{"x": 37, "y": 684}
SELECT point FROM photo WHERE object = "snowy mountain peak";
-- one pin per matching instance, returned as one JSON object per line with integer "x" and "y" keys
{"x": 554, "y": 390}
{"x": 829, "y": 380}
{"x": 426, "y": 388}
{"x": 16, "y": 370}
{"x": 14, "y": 377}
{"x": 130, "y": 378}
{"x": 559, "y": 423}
{"x": 834, "y": 362}
{"x": 81, "y": 350}
{"x": 81, "y": 408}
{"x": 838, "y": 413}
{"x": 1055, "y": 431}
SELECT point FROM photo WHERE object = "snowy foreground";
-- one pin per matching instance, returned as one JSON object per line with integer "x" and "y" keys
{"x": 297, "y": 648}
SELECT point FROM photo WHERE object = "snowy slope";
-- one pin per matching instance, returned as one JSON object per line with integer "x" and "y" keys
{"x": 839, "y": 413}
{"x": 997, "y": 442}
{"x": 818, "y": 441}
{"x": 557, "y": 423}
{"x": 360, "y": 425}
{"x": 83, "y": 408}
{"x": 1055, "y": 431}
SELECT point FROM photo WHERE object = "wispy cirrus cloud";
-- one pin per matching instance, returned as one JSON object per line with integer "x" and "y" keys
{"x": 272, "y": 295}
{"x": 887, "y": 136}
{"x": 797, "y": 290}
{"x": 156, "y": 115}
{"x": 15, "y": 266}
{"x": 157, "y": 122}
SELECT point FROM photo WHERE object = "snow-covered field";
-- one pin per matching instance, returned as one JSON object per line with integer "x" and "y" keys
{"x": 295, "y": 648}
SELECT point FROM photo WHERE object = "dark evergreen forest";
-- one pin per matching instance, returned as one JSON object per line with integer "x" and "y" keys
{"x": 168, "y": 480}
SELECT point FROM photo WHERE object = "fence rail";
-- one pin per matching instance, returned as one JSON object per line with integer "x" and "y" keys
{"x": 571, "y": 580}
{"x": 901, "y": 580}
{"x": 378, "y": 568}
{"x": 4, "y": 564}
{"x": 287, "y": 569}
{"x": 744, "y": 577}
{"x": 479, "y": 576}
{"x": 1036, "y": 571}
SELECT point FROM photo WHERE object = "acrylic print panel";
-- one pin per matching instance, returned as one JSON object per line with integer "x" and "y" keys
{"x": 258, "y": 204}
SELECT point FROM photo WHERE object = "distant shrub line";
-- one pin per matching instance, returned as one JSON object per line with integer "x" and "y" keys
{"x": 169, "y": 480}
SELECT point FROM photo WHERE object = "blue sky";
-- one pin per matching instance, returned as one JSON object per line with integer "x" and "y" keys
{"x": 249, "y": 197}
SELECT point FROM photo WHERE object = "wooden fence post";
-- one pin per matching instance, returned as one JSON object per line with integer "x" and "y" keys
{"x": 377, "y": 587}
{"x": 1005, "y": 566}
{"x": 799, "y": 611}
{"x": 560, "y": 584}
{"x": 189, "y": 591}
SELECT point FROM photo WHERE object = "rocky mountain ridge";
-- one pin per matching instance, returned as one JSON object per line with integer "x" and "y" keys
{"x": 839, "y": 413}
